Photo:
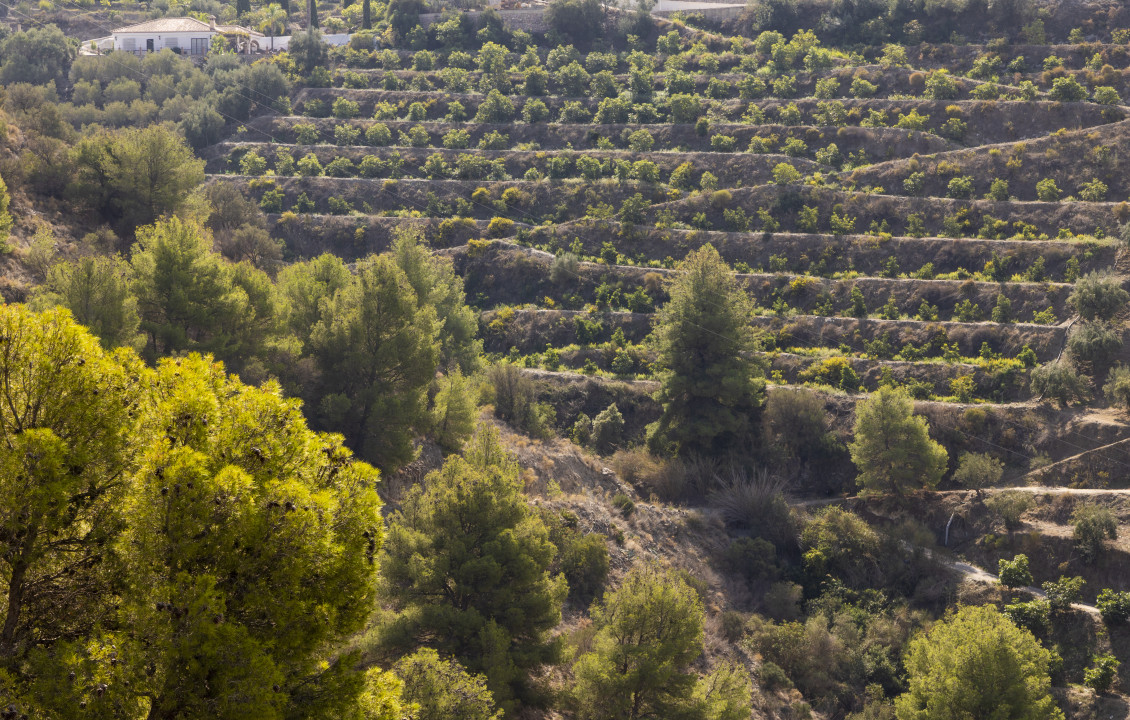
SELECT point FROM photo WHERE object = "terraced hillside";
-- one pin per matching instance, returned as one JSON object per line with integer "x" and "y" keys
{"x": 894, "y": 221}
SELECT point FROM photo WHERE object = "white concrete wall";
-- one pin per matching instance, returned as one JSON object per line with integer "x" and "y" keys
{"x": 161, "y": 41}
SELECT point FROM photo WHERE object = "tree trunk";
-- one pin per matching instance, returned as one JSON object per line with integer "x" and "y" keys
{"x": 16, "y": 596}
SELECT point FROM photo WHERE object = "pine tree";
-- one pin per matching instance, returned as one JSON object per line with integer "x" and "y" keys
{"x": 648, "y": 633}
{"x": 892, "y": 447}
{"x": 66, "y": 436}
{"x": 434, "y": 280}
{"x": 976, "y": 663}
{"x": 377, "y": 349}
{"x": 711, "y": 383}
{"x": 466, "y": 565}
{"x": 366, "y": 15}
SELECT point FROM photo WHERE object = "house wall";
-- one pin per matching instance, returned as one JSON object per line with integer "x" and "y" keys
{"x": 161, "y": 41}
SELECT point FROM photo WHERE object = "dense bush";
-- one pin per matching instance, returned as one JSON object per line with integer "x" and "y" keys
{"x": 1098, "y": 296}
{"x": 1114, "y": 606}
{"x": 1060, "y": 381}
{"x": 1094, "y": 343}
{"x": 1092, "y": 525}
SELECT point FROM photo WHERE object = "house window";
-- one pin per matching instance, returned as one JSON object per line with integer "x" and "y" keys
{"x": 129, "y": 44}
{"x": 199, "y": 46}
{"x": 172, "y": 43}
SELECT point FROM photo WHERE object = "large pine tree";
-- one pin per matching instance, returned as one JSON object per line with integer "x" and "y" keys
{"x": 711, "y": 381}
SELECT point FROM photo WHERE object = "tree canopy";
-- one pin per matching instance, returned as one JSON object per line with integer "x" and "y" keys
{"x": 466, "y": 565}
{"x": 177, "y": 544}
{"x": 711, "y": 383}
{"x": 131, "y": 177}
{"x": 975, "y": 663}
{"x": 648, "y": 632}
{"x": 892, "y": 447}
{"x": 377, "y": 348}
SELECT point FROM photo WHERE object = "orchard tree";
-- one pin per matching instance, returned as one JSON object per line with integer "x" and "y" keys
{"x": 466, "y": 567}
{"x": 711, "y": 383}
{"x": 377, "y": 348}
{"x": 978, "y": 471}
{"x": 1014, "y": 573}
{"x": 976, "y": 664}
{"x": 892, "y": 447}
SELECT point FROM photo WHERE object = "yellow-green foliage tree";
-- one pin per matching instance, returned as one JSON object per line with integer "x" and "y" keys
{"x": 175, "y": 543}
{"x": 977, "y": 664}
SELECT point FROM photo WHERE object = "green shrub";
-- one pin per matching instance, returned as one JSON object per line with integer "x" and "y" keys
{"x": 1092, "y": 526}
{"x": 1114, "y": 606}
{"x": 960, "y": 187}
{"x": 862, "y": 88}
{"x": 1014, "y": 573}
{"x": 1010, "y": 505}
{"x": 940, "y": 86}
{"x": 1117, "y": 387}
{"x": 1094, "y": 343}
{"x": 1094, "y": 191}
{"x": 998, "y": 190}
{"x": 836, "y": 372}
{"x": 1106, "y": 95}
{"x": 624, "y": 504}
{"x": 723, "y": 143}
{"x": 378, "y": 135}
{"x": 1002, "y": 310}
{"x": 785, "y": 174}
{"x": 1098, "y": 295}
{"x": 607, "y": 428}
{"x": 535, "y": 111}
{"x": 1101, "y": 676}
{"x": 1060, "y": 381}
{"x": 272, "y": 201}
{"x": 340, "y": 167}
{"x": 641, "y": 141}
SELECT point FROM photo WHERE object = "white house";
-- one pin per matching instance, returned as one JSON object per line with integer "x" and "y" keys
{"x": 185, "y": 35}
